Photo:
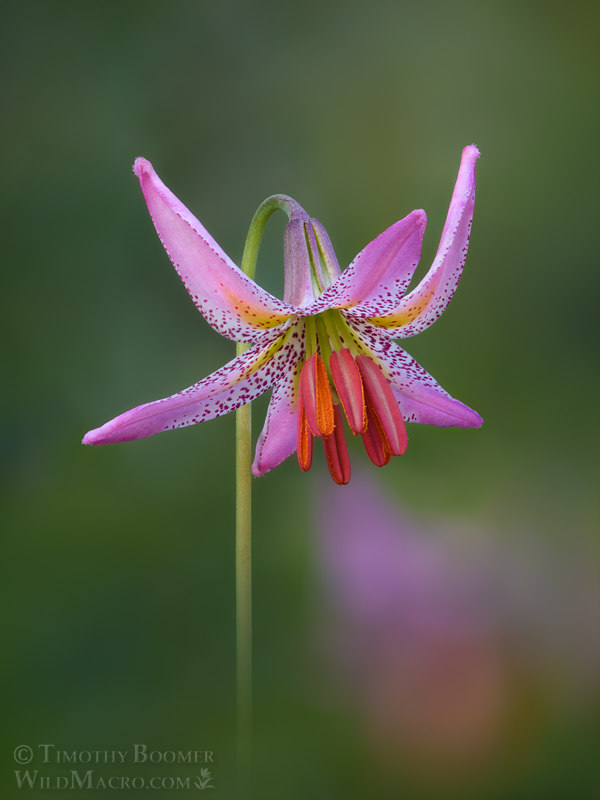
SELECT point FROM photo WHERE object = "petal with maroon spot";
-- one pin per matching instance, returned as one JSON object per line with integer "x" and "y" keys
{"x": 232, "y": 303}
{"x": 419, "y": 395}
{"x": 378, "y": 276}
{"x": 421, "y": 307}
{"x": 278, "y": 437}
{"x": 243, "y": 379}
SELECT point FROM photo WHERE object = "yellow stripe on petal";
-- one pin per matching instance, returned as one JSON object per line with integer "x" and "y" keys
{"x": 267, "y": 355}
{"x": 406, "y": 312}
{"x": 255, "y": 315}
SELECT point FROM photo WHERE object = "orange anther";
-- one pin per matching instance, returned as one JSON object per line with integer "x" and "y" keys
{"x": 305, "y": 439}
{"x": 316, "y": 396}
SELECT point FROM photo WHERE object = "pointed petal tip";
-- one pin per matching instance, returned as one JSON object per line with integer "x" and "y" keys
{"x": 419, "y": 216}
{"x": 91, "y": 437}
{"x": 471, "y": 152}
{"x": 417, "y": 219}
{"x": 467, "y": 418}
{"x": 142, "y": 166}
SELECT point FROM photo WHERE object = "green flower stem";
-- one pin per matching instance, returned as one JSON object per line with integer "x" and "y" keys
{"x": 243, "y": 585}
{"x": 243, "y": 524}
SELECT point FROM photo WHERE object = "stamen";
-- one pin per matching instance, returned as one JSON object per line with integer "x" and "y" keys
{"x": 375, "y": 440}
{"x": 304, "y": 438}
{"x": 381, "y": 398}
{"x": 336, "y": 451}
{"x": 316, "y": 396}
{"x": 349, "y": 386}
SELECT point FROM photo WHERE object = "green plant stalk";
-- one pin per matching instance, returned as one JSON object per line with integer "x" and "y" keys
{"x": 243, "y": 572}
{"x": 243, "y": 526}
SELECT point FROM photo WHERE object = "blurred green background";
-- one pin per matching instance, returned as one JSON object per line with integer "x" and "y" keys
{"x": 118, "y": 562}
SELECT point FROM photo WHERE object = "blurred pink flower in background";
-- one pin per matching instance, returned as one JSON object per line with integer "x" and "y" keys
{"x": 450, "y": 647}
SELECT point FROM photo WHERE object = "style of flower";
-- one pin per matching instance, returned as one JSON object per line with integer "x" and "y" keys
{"x": 327, "y": 349}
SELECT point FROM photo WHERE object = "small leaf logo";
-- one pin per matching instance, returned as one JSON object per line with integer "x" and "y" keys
{"x": 204, "y": 780}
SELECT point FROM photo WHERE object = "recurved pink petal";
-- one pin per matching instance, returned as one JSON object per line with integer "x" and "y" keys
{"x": 419, "y": 395}
{"x": 326, "y": 251}
{"x": 429, "y": 299}
{"x": 379, "y": 274}
{"x": 278, "y": 437}
{"x": 298, "y": 288}
{"x": 238, "y": 382}
{"x": 434, "y": 407}
{"x": 229, "y": 300}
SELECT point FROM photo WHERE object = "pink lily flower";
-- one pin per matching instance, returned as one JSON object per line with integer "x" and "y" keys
{"x": 327, "y": 349}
